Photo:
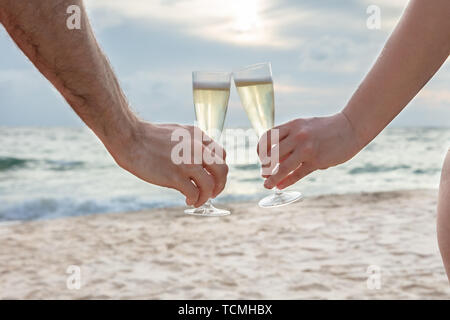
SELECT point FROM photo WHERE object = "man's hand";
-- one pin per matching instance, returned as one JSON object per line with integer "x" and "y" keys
{"x": 307, "y": 145}
{"x": 147, "y": 155}
{"x": 74, "y": 63}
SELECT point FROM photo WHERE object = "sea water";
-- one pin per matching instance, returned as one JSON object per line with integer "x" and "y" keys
{"x": 57, "y": 172}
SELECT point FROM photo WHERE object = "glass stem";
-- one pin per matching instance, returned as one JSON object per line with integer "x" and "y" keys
{"x": 278, "y": 192}
{"x": 208, "y": 203}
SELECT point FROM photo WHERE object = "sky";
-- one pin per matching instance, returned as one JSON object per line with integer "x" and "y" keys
{"x": 319, "y": 50}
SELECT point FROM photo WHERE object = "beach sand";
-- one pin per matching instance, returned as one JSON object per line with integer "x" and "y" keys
{"x": 320, "y": 248}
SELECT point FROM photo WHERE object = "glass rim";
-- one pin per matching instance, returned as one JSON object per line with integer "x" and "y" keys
{"x": 253, "y": 66}
{"x": 212, "y": 72}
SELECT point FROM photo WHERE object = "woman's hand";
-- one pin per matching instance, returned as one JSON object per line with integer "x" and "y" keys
{"x": 306, "y": 145}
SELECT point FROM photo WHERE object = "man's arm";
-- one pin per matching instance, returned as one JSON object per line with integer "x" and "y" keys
{"x": 74, "y": 63}
{"x": 416, "y": 49}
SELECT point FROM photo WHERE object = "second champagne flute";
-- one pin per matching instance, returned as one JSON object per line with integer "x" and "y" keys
{"x": 255, "y": 87}
{"x": 211, "y": 95}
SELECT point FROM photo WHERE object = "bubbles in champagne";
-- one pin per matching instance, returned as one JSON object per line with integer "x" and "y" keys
{"x": 257, "y": 97}
{"x": 211, "y": 103}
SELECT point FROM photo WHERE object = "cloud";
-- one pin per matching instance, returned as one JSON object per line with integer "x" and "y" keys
{"x": 157, "y": 95}
{"x": 246, "y": 23}
{"x": 11, "y": 75}
{"x": 435, "y": 97}
{"x": 333, "y": 55}
{"x": 320, "y": 51}
{"x": 387, "y": 4}
{"x": 27, "y": 98}
{"x": 283, "y": 88}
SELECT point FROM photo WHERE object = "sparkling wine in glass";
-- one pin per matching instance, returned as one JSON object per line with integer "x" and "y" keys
{"x": 211, "y": 95}
{"x": 255, "y": 87}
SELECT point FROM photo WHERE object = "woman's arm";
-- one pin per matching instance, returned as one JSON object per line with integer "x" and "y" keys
{"x": 416, "y": 49}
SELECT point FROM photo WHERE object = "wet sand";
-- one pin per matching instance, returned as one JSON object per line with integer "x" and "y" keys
{"x": 320, "y": 248}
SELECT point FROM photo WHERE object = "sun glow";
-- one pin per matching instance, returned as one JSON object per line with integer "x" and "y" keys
{"x": 246, "y": 15}
{"x": 240, "y": 22}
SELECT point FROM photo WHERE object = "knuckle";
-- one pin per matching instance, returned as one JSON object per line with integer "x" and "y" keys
{"x": 308, "y": 150}
{"x": 176, "y": 173}
{"x": 295, "y": 123}
{"x": 221, "y": 186}
{"x": 208, "y": 183}
{"x": 302, "y": 135}
{"x": 187, "y": 167}
{"x": 219, "y": 161}
{"x": 218, "y": 169}
{"x": 225, "y": 169}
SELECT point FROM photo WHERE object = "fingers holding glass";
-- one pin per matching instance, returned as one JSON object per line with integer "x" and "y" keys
{"x": 211, "y": 91}
{"x": 255, "y": 87}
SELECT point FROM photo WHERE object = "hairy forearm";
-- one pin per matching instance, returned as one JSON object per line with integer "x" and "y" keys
{"x": 417, "y": 48}
{"x": 72, "y": 61}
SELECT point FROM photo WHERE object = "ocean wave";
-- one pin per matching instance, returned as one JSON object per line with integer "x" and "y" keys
{"x": 251, "y": 166}
{"x": 370, "y": 168}
{"x": 256, "y": 179}
{"x": 11, "y": 163}
{"x": 427, "y": 171}
{"x": 62, "y": 165}
{"x": 47, "y": 208}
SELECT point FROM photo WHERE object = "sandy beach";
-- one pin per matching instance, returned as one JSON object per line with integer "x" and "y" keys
{"x": 316, "y": 249}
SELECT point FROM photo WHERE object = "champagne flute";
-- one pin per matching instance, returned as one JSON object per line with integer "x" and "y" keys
{"x": 255, "y": 87}
{"x": 211, "y": 95}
